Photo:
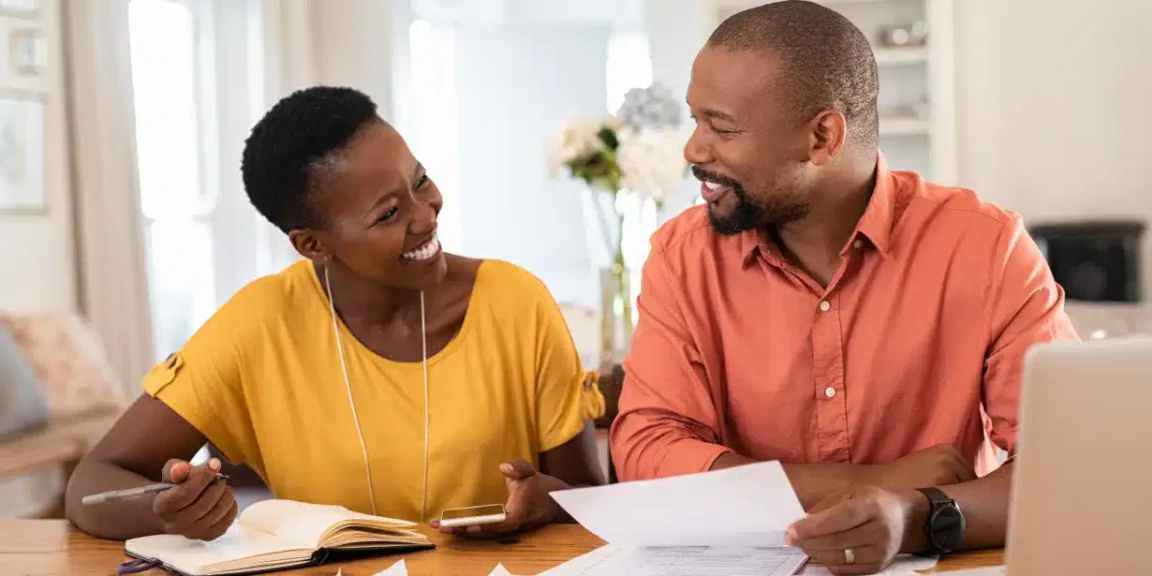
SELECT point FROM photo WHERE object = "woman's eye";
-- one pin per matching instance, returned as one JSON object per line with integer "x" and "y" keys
{"x": 389, "y": 214}
{"x": 424, "y": 179}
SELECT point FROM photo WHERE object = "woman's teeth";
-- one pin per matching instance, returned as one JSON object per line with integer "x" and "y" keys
{"x": 428, "y": 250}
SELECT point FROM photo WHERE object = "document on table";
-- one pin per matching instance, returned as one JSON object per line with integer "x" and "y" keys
{"x": 684, "y": 561}
{"x": 750, "y": 505}
{"x": 991, "y": 571}
{"x": 903, "y": 565}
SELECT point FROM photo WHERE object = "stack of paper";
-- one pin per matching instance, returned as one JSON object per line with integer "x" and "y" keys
{"x": 726, "y": 522}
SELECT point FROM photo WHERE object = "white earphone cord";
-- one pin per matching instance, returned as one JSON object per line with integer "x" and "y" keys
{"x": 352, "y": 403}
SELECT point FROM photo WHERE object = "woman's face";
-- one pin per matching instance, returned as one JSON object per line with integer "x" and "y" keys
{"x": 377, "y": 209}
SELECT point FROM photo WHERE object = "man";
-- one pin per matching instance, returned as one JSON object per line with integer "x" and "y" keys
{"x": 861, "y": 325}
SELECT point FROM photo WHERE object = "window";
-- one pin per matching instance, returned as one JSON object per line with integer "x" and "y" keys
{"x": 171, "y": 77}
{"x": 629, "y": 66}
{"x": 434, "y": 139}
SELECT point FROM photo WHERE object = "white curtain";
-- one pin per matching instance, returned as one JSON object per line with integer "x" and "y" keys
{"x": 112, "y": 267}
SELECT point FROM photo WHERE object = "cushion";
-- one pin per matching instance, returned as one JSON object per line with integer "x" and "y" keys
{"x": 69, "y": 362}
{"x": 23, "y": 403}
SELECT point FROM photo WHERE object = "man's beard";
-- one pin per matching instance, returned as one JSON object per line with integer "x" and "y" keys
{"x": 749, "y": 213}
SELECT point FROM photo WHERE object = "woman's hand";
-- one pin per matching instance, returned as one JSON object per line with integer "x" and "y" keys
{"x": 199, "y": 506}
{"x": 529, "y": 503}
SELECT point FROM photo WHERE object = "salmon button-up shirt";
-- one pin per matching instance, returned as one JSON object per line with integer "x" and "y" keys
{"x": 918, "y": 340}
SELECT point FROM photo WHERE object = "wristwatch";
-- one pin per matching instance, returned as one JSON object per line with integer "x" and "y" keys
{"x": 944, "y": 529}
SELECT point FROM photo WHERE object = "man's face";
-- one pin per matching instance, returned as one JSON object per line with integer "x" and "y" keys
{"x": 748, "y": 151}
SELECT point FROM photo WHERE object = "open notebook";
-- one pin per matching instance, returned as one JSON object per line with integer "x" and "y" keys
{"x": 279, "y": 534}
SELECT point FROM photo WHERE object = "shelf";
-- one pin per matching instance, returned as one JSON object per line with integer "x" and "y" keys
{"x": 903, "y": 127}
{"x": 900, "y": 56}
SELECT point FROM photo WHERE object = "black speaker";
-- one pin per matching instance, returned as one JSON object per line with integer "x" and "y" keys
{"x": 1094, "y": 261}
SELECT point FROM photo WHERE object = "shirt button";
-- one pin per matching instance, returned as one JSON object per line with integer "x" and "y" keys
{"x": 825, "y": 306}
{"x": 830, "y": 392}
{"x": 857, "y": 244}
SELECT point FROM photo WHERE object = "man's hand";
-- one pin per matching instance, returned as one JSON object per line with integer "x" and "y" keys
{"x": 939, "y": 465}
{"x": 875, "y": 524}
{"x": 199, "y": 507}
{"x": 528, "y": 502}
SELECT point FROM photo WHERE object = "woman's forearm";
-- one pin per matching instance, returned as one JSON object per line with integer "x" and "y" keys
{"x": 118, "y": 520}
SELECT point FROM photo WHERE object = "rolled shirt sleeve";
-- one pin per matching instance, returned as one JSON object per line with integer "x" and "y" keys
{"x": 668, "y": 423}
{"x": 1027, "y": 308}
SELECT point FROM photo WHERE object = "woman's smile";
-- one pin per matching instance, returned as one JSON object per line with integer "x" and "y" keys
{"x": 425, "y": 252}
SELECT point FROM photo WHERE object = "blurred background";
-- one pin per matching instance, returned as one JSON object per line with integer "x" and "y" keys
{"x": 124, "y": 224}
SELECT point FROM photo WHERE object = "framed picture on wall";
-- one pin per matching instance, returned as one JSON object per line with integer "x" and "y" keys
{"x": 22, "y": 154}
{"x": 23, "y": 8}
{"x": 29, "y": 51}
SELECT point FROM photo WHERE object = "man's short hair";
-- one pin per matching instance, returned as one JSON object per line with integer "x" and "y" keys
{"x": 826, "y": 61}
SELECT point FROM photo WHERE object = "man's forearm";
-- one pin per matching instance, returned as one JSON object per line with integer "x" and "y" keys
{"x": 984, "y": 503}
{"x": 812, "y": 482}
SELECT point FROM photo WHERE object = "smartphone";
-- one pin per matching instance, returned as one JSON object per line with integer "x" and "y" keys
{"x": 473, "y": 516}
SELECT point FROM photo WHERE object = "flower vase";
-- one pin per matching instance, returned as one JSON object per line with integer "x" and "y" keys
{"x": 615, "y": 314}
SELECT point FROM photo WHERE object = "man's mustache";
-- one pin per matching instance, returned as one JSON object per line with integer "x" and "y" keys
{"x": 706, "y": 176}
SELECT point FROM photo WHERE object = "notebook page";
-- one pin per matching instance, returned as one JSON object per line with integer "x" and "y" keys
{"x": 239, "y": 543}
{"x": 305, "y": 524}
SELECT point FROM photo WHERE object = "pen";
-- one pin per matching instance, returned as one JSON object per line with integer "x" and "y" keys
{"x": 115, "y": 495}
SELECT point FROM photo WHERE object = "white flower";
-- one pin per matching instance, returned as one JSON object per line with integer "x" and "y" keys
{"x": 578, "y": 138}
{"x": 652, "y": 161}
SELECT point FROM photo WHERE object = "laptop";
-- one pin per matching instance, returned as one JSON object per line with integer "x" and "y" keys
{"x": 1082, "y": 485}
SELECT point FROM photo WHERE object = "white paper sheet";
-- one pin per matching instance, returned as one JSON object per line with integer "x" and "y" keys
{"x": 684, "y": 561}
{"x": 397, "y": 569}
{"x": 750, "y": 505}
{"x": 903, "y": 565}
{"x": 499, "y": 570}
{"x": 578, "y": 564}
{"x": 992, "y": 571}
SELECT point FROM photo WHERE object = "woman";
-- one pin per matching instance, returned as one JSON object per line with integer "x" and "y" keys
{"x": 379, "y": 373}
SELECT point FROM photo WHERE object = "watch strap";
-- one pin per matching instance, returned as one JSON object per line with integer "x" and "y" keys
{"x": 936, "y": 497}
{"x": 938, "y": 501}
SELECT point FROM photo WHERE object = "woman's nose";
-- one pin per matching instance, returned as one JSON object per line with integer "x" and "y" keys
{"x": 424, "y": 219}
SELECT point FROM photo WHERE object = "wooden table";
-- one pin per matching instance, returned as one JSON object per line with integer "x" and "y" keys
{"x": 53, "y": 547}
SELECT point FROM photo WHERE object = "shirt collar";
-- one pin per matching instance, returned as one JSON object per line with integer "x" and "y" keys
{"x": 875, "y": 224}
{"x": 879, "y": 217}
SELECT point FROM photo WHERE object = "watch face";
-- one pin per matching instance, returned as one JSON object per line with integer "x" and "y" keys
{"x": 947, "y": 528}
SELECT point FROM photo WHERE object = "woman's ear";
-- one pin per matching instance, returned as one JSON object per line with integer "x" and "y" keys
{"x": 309, "y": 245}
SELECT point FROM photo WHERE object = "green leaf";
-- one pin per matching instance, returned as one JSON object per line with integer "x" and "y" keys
{"x": 608, "y": 137}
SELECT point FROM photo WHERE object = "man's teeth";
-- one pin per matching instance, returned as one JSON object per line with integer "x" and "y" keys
{"x": 424, "y": 252}
{"x": 713, "y": 185}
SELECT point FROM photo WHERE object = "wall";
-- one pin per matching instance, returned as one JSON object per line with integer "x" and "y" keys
{"x": 36, "y": 250}
{"x": 1051, "y": 107}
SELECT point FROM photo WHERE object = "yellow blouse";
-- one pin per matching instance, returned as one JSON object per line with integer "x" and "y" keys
{"x": 262, "y": 381}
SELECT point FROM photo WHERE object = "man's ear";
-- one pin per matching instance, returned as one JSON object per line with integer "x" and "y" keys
{"x": 309, "y": 245}
{"x": 828, "y": 134}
